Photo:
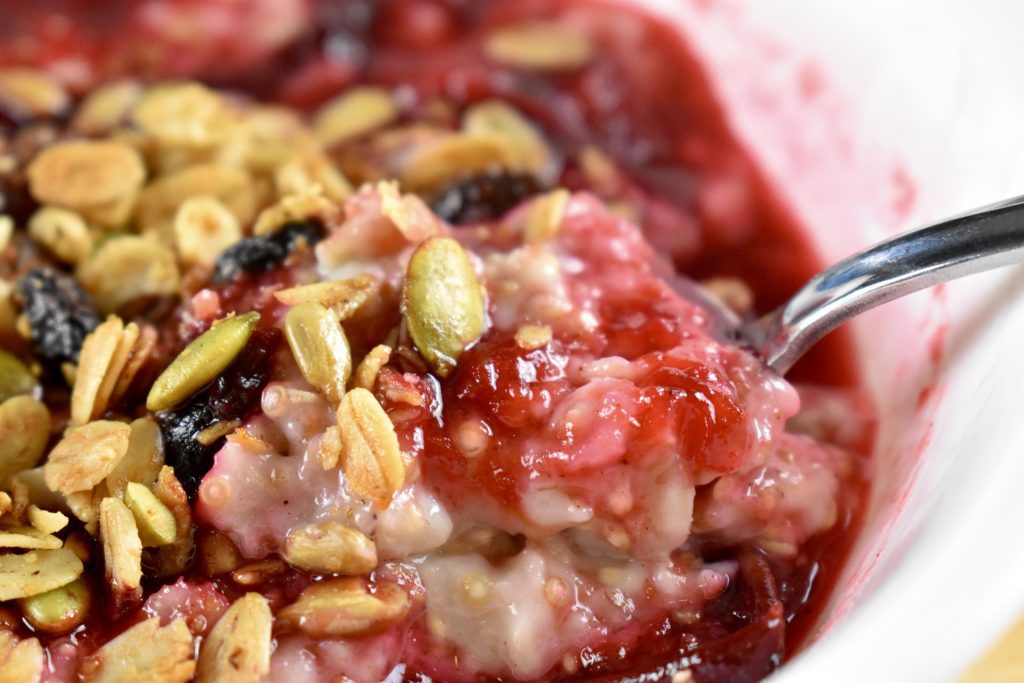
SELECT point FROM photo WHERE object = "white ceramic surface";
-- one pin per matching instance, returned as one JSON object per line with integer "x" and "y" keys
{"x": 841, "y": 100}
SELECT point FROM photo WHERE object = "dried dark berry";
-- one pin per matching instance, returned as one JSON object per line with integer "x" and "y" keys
{"x": 484, "y": 197}
{"x": 292, "y": 233}
{"x": 260, "y": 253}
{"x": 232, "y": 396}
{"x": 251, "y": 255}
{"x": 59, "y": 314}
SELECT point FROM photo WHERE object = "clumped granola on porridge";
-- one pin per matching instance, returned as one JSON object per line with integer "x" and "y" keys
{"x": 402, "y": 387}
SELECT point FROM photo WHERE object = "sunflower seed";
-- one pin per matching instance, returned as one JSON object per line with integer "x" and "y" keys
{"x": 237, "y": 649}
{"x": 330, "y": 548}
{"x": 320, "y": 348}
{"x": 343, "y": 607}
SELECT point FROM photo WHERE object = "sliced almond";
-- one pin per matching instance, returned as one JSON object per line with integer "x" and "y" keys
{"x": 145, "y": 652}
{"x": 86, "y": 455}
{"x": 293, "y": 207}
{"x": 320, "y": 348}
{"x": 494, "y": 117}
{"x": 237, "y": 650}
{"x": 85, "y": 506}
{"x": 174, "y": 558}
{"x": 542, "y": 45}
{"x": 369, "y": 367}
{"x": 143, "y": 459}
{"x": 140, "y": 353}
{"x": 106, "y": 107}
{"x": 203, "y": 228}
{"x": 545, "y": 216}
{"x": 371, "y": 459}
{"x": 46, "y": 521}
{"x": 330, "y": 548}
{"x": 27, "y": 538}
{"x": 312, "y": 169}
{"x": 407, "y": 212}
{"x": 31, "y": 93}
{"x": 202, "y": 361}
{"x": 442, "y": 302}
{"x": 24, "y": 431}
{"x": 23, "y": 662}
{"x": 98, "y": 351}
{"x": 343, "y": 607}
{"x": 122, "y": 549}
{"x": 449, "y": 158}
{"x": 344, "y": 297}
{"x": 84, "y": 174}
{"x": 353, "y": 113}
{"x": 36, "y": 572}
{"x": 105, "y": 396}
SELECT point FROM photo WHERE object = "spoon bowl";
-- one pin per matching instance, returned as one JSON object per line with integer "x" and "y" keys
{"x": 972, "y": 242}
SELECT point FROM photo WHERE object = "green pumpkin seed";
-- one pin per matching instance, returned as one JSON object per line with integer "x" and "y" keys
{"x": 155, "y": 521}
{"x": 201, "y": 361}
{"x": 15, "y": 378}
{"x": 60, "y": 610}
{"x": 443, "y": 303}
{"x": 320, "y": 347}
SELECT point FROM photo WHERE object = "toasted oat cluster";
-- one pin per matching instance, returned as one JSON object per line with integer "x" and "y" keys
{"x": 370, "y": 393}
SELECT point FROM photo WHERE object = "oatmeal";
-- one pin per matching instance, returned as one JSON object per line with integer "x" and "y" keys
{"x": 394, "y": 373}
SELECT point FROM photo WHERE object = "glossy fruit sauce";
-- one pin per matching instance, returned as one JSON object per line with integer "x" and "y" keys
{"x": 645, "y": 103}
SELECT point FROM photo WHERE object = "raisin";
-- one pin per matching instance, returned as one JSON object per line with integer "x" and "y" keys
{"x": 260, "y": 253}
{"x": 484, "y": 197}
{"x": 251, "y": 255}
{"x": 234, "y": 395}
{"x": 59, "y": 314}
{"x": 291, "y": 234}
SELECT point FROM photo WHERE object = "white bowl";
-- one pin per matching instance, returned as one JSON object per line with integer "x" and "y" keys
{"x": 873, "y": 117}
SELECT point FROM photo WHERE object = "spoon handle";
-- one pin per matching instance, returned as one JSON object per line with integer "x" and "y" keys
{"x": 979, "y": 240}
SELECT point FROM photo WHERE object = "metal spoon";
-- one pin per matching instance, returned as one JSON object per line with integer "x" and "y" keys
{"x": 979, "y": 240}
